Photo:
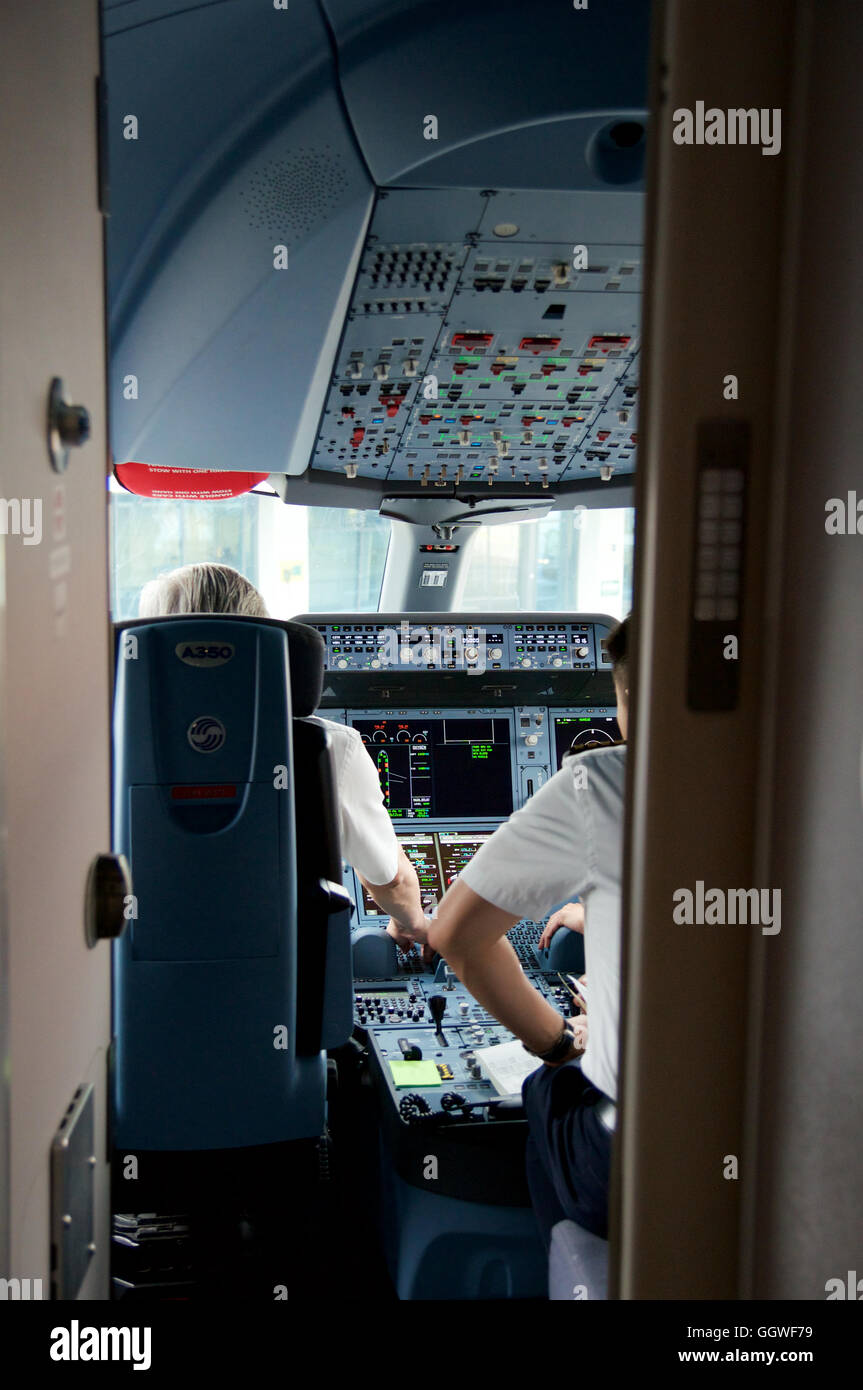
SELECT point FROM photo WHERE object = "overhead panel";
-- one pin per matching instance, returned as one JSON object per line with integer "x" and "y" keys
{"x": 503, "y": 350}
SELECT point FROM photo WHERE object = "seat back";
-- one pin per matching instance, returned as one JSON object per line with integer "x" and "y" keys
{"x": 577, "y": 1264}
{"x": 211, "y": 1050}
{"x": 324, "y": 967}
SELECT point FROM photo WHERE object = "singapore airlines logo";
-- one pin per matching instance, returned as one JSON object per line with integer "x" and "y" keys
{"x": 206, "y": 734}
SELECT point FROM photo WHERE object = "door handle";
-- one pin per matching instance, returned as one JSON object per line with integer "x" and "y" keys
{"x": 68, "y": 426}
{"x": 109, "y": 886}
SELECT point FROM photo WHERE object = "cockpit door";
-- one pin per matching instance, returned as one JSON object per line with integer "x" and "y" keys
{"x": 719, "y": 162}
{"x": 54, "y": 654}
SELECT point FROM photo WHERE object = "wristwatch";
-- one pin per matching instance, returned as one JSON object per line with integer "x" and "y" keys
{"x": 559, "y": 1050}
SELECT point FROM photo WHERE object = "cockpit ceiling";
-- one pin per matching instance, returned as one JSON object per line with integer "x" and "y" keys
{"x": 273, "y": 308}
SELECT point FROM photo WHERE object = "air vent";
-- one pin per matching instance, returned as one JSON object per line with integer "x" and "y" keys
{"x": 287, "y": 197}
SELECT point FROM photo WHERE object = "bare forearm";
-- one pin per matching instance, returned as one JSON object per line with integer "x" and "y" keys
{"x": 471, "y": 936}
{"x": 501, "y": 986}
{"x": 401, "y": 898}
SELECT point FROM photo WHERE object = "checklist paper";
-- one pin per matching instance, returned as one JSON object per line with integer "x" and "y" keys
{"x": 506, "y": 1066}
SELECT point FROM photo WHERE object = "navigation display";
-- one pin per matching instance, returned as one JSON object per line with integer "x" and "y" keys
{"x": 574, "y": 731}
{"x": 456, "y": 851}
{"x": 420, "y": 849}
{"x": 438, "y": 857}
{"x": 442, "y": 767}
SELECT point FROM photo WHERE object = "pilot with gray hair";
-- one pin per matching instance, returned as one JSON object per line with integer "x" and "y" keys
{"x": 368, "y": 839}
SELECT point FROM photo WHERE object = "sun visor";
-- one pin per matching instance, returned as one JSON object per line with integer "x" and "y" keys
{"x": 185, "y": 484}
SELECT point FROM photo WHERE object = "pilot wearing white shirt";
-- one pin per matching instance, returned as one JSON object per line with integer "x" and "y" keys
{"x": 566, "y": 841}
{"x": 368, "y": 840}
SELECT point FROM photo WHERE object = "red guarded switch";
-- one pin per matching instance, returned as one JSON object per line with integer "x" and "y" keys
{"x": 391, "y": 404}
{"x": 357, "y": 437}
{"x": 473, "y": 342}
{"x": 544, "y": 343}
{"x": 606, "y": 341}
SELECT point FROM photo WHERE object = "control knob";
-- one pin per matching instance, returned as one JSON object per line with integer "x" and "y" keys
{"x": 341, "y": 663}
{"x": 582, "y": 651}
{"x": 531, "y": 740}
{"x": 496, "y": 653}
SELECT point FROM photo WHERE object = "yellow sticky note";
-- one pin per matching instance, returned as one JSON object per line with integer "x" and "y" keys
{"x": 415, "y": 1074}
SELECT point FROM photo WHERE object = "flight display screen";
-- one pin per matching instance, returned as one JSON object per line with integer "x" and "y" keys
{"x": 456, "y": 851}
{"x": 438, "y": 857}
{"x": 442, "y": 767}
{"x": 420, "y": 850}
{"x": 574, "y": 731}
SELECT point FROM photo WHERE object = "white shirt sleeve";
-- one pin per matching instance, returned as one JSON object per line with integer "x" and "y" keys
{"x": 368, "y": 838}
{"x": 543, "y": 855}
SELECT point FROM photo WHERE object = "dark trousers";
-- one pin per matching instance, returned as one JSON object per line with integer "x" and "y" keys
{"x": 568, "y": 1150}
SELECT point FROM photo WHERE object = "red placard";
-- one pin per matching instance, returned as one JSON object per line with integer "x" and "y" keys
{"x": 185, "y": 484}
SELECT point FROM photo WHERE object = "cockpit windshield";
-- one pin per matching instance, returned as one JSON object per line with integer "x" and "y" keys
{"x": 328, "y": 559}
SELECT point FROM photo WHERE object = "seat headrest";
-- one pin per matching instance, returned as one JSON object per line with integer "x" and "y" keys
{"x": 306, "y": 652}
